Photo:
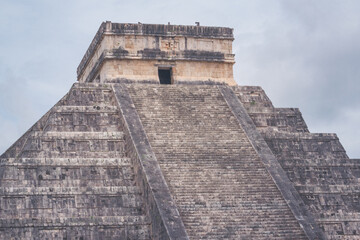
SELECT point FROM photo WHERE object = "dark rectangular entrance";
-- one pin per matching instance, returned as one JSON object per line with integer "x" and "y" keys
{"x": 165, "y": 76}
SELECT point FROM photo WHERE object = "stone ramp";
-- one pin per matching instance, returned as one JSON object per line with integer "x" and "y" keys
{"x": 69, "y": 177}
{"x": 317, "y": 164}
{"x": 218, "y": 182}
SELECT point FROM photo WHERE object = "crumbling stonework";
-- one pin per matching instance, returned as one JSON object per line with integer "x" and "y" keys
{"x": 317, "y": 164}
{"x": 69, "y": 177}
{"x": 195, "y": 158}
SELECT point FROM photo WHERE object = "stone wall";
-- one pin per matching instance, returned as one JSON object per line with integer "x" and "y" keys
{"x": 182, "y": 71}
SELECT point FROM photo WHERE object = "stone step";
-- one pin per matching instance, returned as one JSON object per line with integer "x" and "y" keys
{"x": 284, "y": 119}
{"x": 123, "y": 227}
{"x": 185, "y": 137}
{"x": 92, "y": 232}
{"x": 74, "y": 200}
{"x": 333, "y": 213}
{"x": 223, "y": 176}
{"x": 199, "y": 141}
{"x": 234, "y": 150}
{"x": 70, "y": 145}
{"x": 76, "y": 221}
{"x": 67, "y": 127}
{"x": 250, "y": 108}
{"x": 205, "y": 186}
{"x": 89, "y": 96}
{"x": 48, "y": 136}
{"x": 117, "y": 152}
{"x": 65, "y": 162}
{"x": 80, "y": 121}
{"x": 221, "y": 219}
{"x": 344, "y": 217}
{"x": 324, "y": 175}
{"x": 233, "y": 208}
{"x": 323, "y": 182}
{"x": 27, "y": 191}
{"x": 251, "y": 232}
{"x": 254, "y": 198}
{"x": 46, "y": 173}
{"x": 330, "y": 189}
{"x": 92, "y": 85}
{"x": 101, "y": 108}
{"x": 44, "y": 143}
{"x": 300, "y": 136}
{"x": 201, "y": 153}
{"x": 252, "y": 97}
{"x": 249, "y": 235}
{"x": 291, "y": 154}
{"x": 71, "y": 212}
{"x": 86, "y": 182}
{"x": 218, "y": 174}
{"x": 211, "y": 162}
{"x": 321, "y": 163}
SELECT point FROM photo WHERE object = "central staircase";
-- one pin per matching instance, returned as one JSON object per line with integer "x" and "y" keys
{"x": 219, "y": 184}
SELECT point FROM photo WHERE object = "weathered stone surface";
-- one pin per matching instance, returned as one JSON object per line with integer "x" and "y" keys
{"x": 129, "y": 158}
{"x": 317, "y": 164}
{"x": 169, "y": 33}
{"x": 137, "y": 51}
{"x": 271, "y": 164}
{"x": 68, "y": 177}
{"x": 219, "y": 184}
{"x": 159, "y": 203}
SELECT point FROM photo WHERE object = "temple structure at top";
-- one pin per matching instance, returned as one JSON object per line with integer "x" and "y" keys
{"x": 169, "y": 54}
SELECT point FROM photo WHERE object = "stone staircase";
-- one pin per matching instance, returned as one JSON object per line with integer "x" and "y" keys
{"x": 317, "y": 164}
{"x": 69, "y": 177}
{"x": 219, "y": 184}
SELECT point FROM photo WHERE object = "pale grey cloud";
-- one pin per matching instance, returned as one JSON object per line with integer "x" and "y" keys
{"x": 303, "y": 53}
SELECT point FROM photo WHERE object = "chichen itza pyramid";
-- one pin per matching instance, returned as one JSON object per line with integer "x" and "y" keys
{"x": 157, "y": 141}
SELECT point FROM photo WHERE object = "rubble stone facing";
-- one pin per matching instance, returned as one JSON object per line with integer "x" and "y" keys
{"x": 69, "y": 176}
{"x": 316, "y": 163}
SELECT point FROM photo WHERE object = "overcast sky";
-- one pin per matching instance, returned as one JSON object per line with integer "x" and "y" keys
{"x": 304, "y": 53}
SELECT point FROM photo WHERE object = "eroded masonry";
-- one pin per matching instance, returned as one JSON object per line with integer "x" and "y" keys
{"x": 157, "y": 141}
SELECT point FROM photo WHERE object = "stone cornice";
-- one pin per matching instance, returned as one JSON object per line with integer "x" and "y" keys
{"x": 153, "y": 54}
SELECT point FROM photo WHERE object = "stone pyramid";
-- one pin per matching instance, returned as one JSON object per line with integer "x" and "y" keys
{"x": 156, "y": 141}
